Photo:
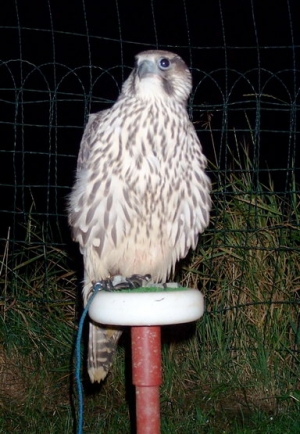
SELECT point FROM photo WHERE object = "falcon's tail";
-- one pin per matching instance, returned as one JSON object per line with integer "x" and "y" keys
{"x": 101, "y": 350}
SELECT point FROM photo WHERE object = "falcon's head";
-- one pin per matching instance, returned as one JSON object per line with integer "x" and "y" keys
{"x": 159, "y": 75}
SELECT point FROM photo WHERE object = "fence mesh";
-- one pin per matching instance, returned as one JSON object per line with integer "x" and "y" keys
{"x": 59, "y": 63}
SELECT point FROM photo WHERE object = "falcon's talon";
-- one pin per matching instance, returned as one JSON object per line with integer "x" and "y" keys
{"x": 122, "y": 285}
{"x": 136, "y": 280}
{"x": 132, "y": 282}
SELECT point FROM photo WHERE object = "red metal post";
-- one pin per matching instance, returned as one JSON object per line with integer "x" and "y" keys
{"x": 146, "y": 376}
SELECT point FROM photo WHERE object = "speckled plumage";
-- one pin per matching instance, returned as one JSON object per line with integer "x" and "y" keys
{"x": 141, "y": 195}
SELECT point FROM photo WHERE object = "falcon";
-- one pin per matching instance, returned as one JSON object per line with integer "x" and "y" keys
{"x": 141, "y": 196}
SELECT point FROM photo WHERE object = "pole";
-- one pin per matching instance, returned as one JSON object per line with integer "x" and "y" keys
{"x": 146, "y": 376}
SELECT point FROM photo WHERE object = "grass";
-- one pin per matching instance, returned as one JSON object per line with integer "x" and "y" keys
{"x": 235, "y": 371}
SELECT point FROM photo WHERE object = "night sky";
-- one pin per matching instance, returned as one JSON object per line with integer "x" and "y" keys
{"x": 62, "y": 59}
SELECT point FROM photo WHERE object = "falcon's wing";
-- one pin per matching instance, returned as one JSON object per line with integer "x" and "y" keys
{"x": 88, "y": 137}
{"x": 102, "y": 206}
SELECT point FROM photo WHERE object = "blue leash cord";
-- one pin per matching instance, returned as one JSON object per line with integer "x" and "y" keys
{"x": 97, "y": 287}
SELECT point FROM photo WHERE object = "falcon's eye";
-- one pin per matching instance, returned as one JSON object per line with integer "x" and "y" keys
{"x": 164, "y": 63}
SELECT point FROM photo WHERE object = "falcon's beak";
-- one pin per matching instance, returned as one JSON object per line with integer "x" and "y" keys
{"x": 146, "y": 67}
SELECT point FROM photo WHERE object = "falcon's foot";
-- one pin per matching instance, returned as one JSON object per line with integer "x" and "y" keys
{"x": 132, "y": 282}
{"x": 117, "y": 283}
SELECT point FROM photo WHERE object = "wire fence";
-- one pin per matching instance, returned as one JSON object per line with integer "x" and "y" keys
{"x": 58, "y": 68}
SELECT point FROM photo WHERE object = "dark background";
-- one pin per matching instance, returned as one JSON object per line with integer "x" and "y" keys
{"x": 59, "y": 60}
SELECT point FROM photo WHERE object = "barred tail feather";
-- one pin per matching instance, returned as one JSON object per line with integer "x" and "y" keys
{"x": 101, "y": 350}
